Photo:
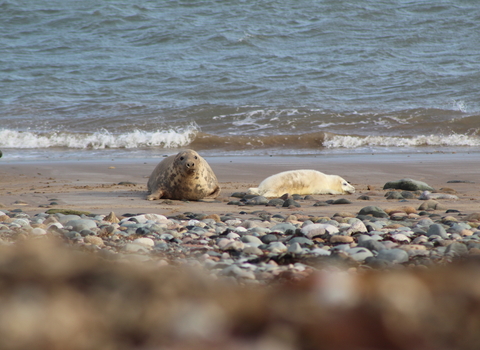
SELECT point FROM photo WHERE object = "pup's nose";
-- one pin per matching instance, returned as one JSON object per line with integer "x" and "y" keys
{"x": 191, "y": 164}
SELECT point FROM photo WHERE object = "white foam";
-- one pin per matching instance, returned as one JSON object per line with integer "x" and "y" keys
{"x": 98, "y": 140}
{"x": 340, "y": 141}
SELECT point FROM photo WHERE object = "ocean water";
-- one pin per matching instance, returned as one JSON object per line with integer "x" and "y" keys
{"x": 117, "y": 78}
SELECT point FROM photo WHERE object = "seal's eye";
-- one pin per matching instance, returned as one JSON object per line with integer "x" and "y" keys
{"x": 196, "y": 157}
{"x": 181, "y": 158}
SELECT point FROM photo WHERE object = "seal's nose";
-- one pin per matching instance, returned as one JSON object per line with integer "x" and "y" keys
{"x": 190, "y": 164}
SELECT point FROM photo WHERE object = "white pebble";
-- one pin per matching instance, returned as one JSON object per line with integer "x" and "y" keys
{"x": 38, "y": 231}
{"x": 400, "y": 237}
{"x": 145, "y": 241}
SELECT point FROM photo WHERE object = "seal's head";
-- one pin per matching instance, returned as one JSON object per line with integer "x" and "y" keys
{"x": 346, "y": 187}
{"x": 188, "y": 161}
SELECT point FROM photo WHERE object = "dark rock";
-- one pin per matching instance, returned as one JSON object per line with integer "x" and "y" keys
{"x": 373, "y": 211}
{"x": 341, "y": 201}
{"x": 394, "y": 195}
{"x": 437, "y": 229}
{"x": 301, "y": 241}
{"x": 275, "y": 202}
{"x": 372, "y": 245}
{"x": 268, "y": 238}
{"x": 456, "y": 249}
{"x": 408, "y": 184}
{"x": 290, "y": 202}
{"x": 321, "y": 204}
{"x": 393, "y": 255}
{"x": 407, "y": 195}
{"x": 142, "y": 231}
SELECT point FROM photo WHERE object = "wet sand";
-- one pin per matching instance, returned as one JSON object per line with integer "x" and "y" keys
{"x": 119, "y": 185}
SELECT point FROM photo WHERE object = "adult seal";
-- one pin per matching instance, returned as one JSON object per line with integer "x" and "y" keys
{"x": 183, "y": 176}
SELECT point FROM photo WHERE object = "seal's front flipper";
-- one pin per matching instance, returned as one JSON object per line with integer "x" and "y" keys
{"x": 215, "y": 192}
{"x": 155, "y": 195}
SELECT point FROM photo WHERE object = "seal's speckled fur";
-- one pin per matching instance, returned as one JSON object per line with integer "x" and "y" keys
{"x": 183, "y": 176}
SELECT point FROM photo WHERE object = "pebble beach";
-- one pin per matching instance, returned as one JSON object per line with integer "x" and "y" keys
{"x": 429, "y": 220}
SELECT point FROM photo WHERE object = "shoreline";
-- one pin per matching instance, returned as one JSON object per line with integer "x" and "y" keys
{"x": 93, "y": 185}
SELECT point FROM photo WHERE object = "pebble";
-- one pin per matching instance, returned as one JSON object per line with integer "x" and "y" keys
{"x": 393, "y": 255}
{"x": 359, "y": 253}
{"x": 277, "y": 247}
{"x": 94, "y": 240}
{"x": 341, "y": 239}
{"x": 259, "y": 245}
{"x": 295, "y": 248}
{"x": 313, "y": 230}
{"x": 438, "y": 230}
{"x": 408, "y": 184}
{"x": 81, "y": 224}
{"x": 373, "y": 211}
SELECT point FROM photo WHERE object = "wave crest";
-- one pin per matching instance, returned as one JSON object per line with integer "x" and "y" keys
{"x": 98, "y": 140}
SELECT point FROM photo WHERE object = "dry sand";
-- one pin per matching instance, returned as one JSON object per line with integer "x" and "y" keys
{"x": 95, "y": 185}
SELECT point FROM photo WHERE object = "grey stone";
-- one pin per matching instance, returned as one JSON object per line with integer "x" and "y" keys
{"x": 456, "y": 249}
{"x": 295, "y": 248}
{"x": 283, "y": 227}
{"x": 393, "y": 255}
{"x": 63, "y": 219}
{"x": 341, "y": 201}
{"x": 437, "y": 229}
{"x": 301, "y": 240}
{"x": 290, "y": 202}
{"x": 459, "y": 227}
{"x": 407, "y": 195}
{"x": 408, "y": 184}
{"x": 252, "y": 240}
{"x": 359, "y": 253}
{"x": 82, "y": 224}
{"x": 373, "y": 211}
{"x": 268, "y": 238}
{"x": 425, "y": 222}
{"x": 372, "y": 245}
{"x": 277, "y": 247}
{"x": 275, "y": 202}
{"x": 320, "y": 252}
{"x": 321, "y": 204}
{"x": 73, "y": 235}
{"x": 394, "y": 195}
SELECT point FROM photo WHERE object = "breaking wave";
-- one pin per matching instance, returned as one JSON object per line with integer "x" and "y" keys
{"x": 192, "y": 137}
{"x": 97, "y": 140}
{"x": 453, "y": 140}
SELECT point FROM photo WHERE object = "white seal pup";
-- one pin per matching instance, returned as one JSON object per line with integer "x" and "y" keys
{"x": 302, "y": 182}
{"x": 183, "y": 176}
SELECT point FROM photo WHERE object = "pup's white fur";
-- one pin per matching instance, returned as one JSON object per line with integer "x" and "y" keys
{"x": 302, "y": 182}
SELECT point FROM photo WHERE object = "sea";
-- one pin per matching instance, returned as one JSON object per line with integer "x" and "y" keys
{"x": 140, "y": 79}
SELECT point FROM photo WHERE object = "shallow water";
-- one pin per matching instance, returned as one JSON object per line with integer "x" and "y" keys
{"x": 87, "y": 79}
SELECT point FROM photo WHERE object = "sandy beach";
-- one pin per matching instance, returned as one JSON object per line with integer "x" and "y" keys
{"x": 101, "y": 186}
{"x": 250, "y": 277}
